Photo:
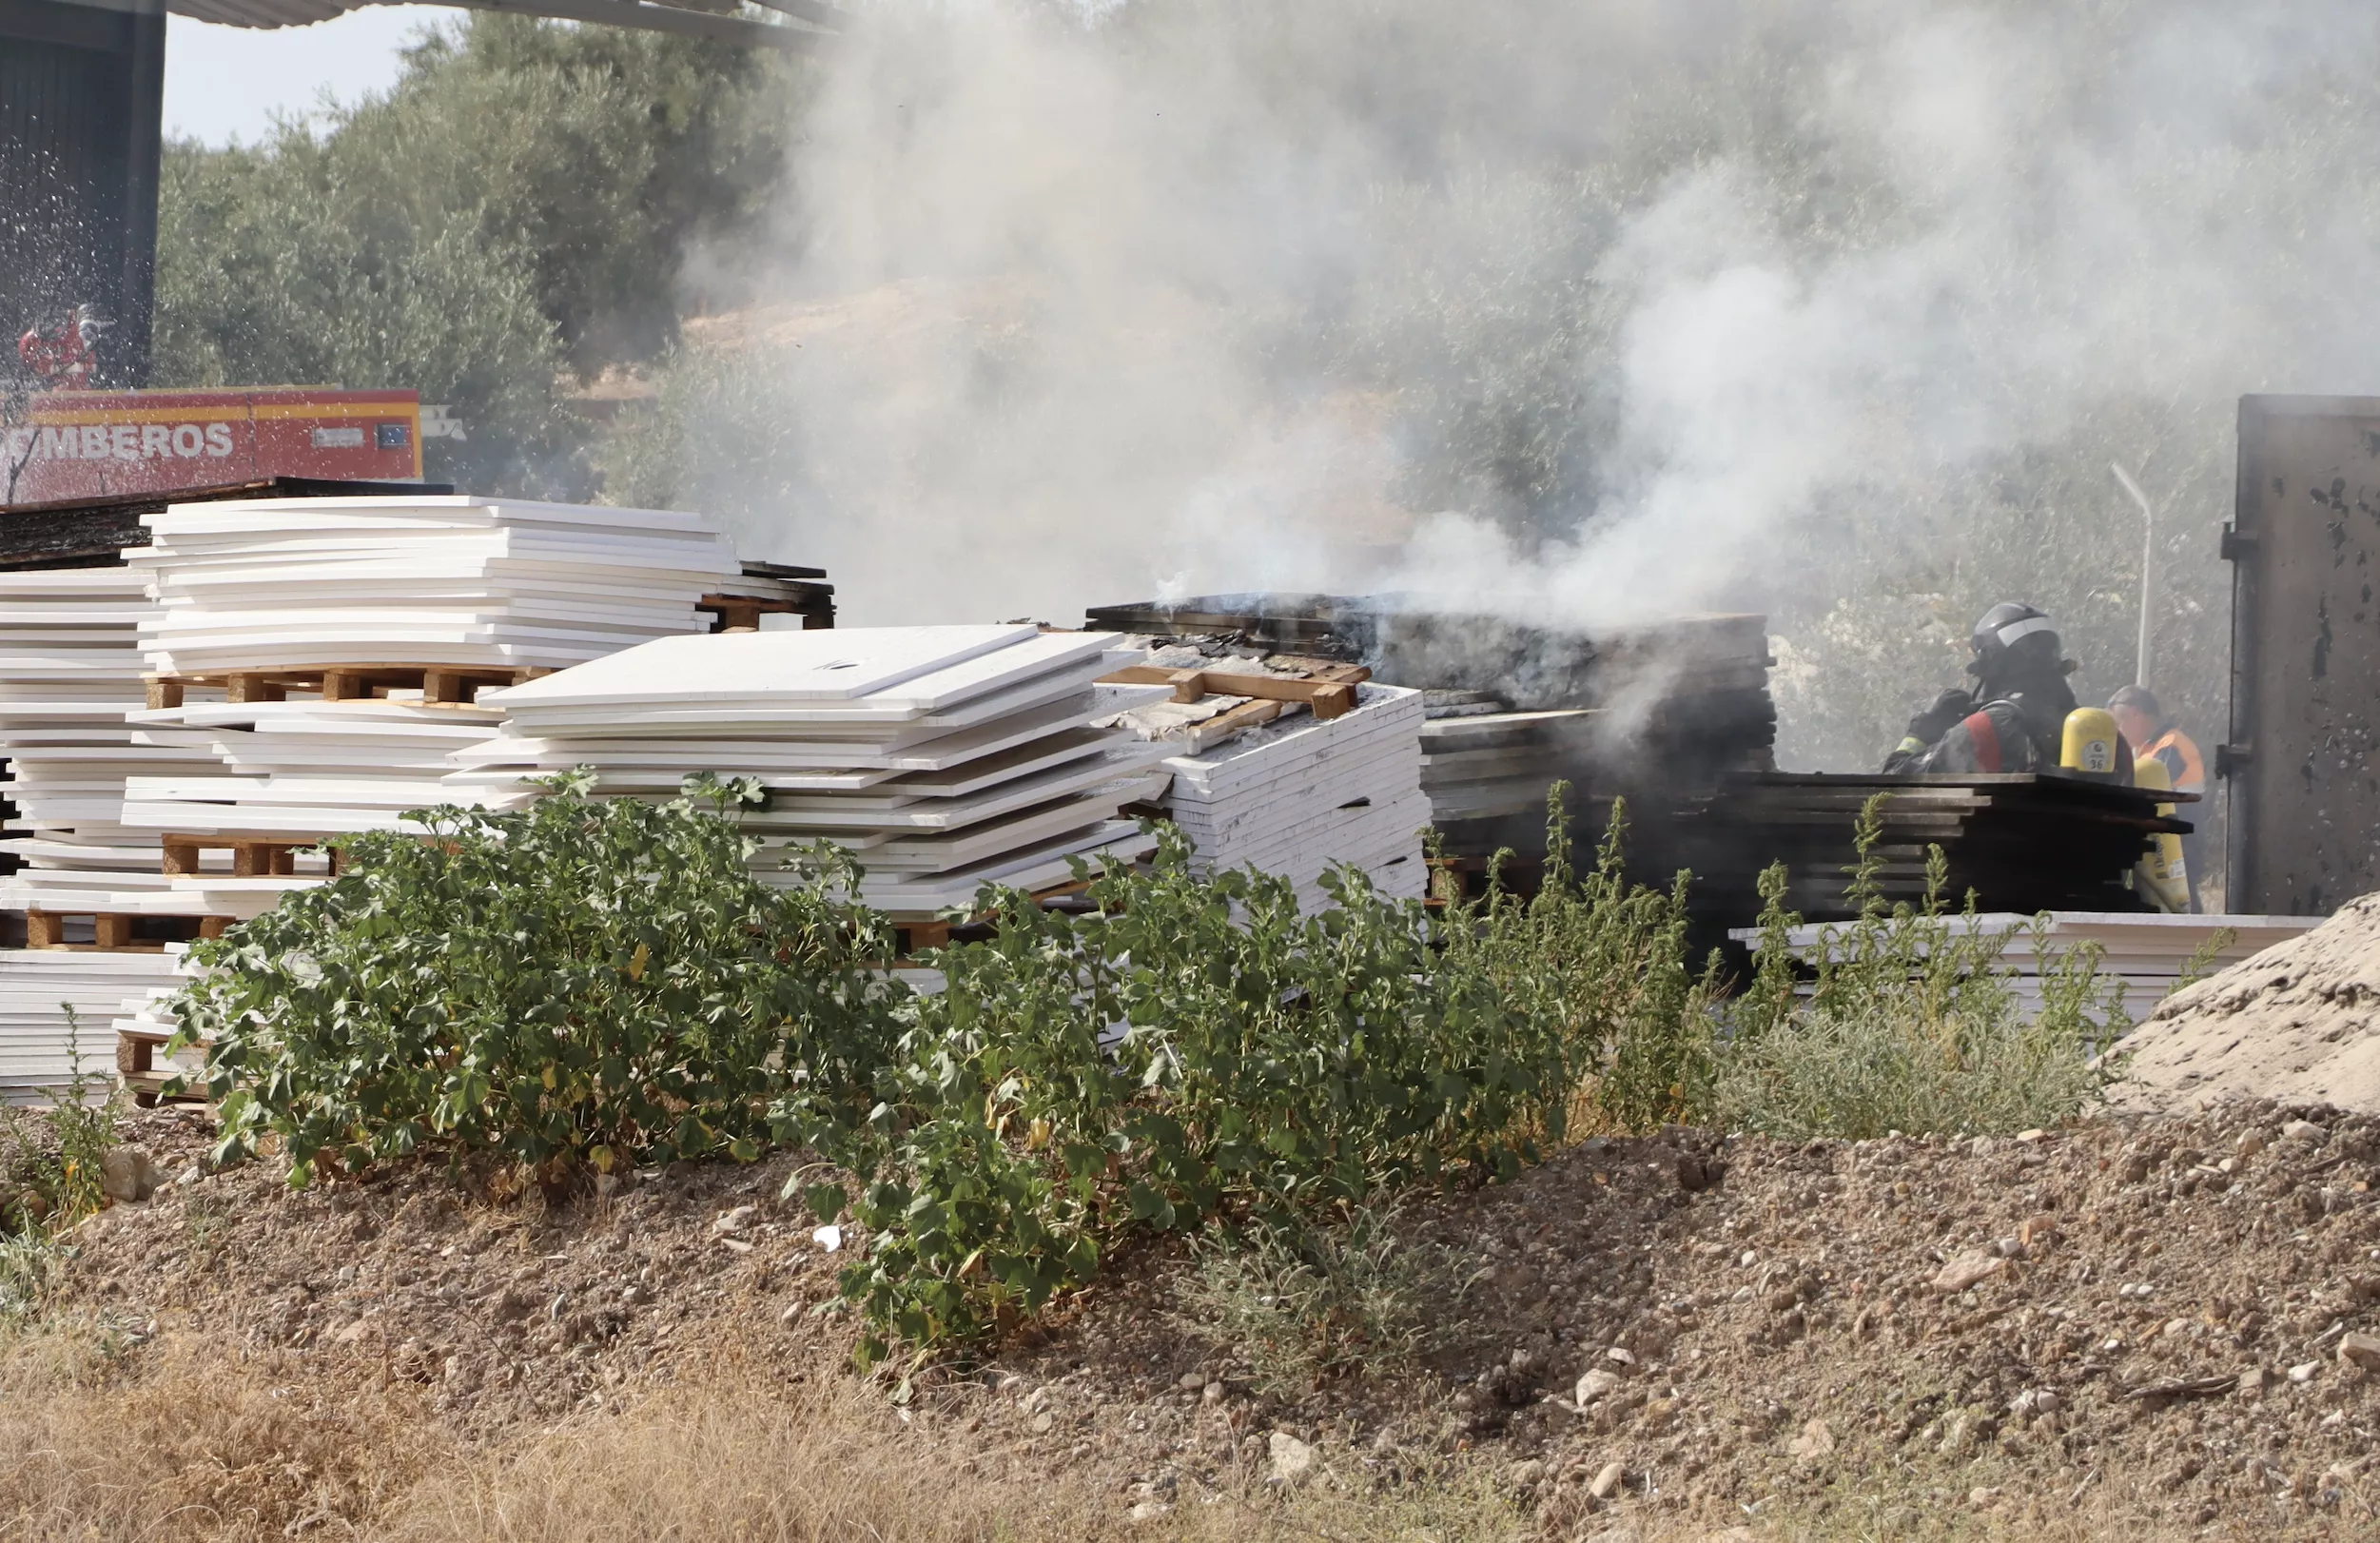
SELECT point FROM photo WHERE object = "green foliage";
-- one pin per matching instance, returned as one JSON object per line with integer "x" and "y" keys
{"x": 603, "y": 980}
{"x": 605, "y": 155}
{"x": 1595, "y": 963}
{"x": 1306, "y": 1302}
{"x": 1194, "y": 1048}
{"x": 82, "y": 1124}
{"x": 596, "y": 981}
{"x": 516, "y": 208}
{"x": 279, "y": 265}
{"x": 1910, "y": 1023}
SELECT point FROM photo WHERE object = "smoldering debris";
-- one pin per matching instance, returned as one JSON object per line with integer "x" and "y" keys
{"x": 1675, "y": 718}
{"x": 1655, "y": 711}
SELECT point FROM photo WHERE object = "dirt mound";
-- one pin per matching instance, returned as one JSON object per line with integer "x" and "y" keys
{"x": 2143, "y": 1317}
{"x": 2300, "y": 1020}
{"x": 2155, "y": 1320}
{"x": 506, "y": 1310}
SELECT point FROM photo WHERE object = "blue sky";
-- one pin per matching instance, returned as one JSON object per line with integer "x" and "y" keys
{"x": 228, "y": 82}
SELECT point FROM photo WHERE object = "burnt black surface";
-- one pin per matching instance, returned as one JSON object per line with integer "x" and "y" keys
{"x": 2022, "y": 843}
{"x": 1680, "y": 726}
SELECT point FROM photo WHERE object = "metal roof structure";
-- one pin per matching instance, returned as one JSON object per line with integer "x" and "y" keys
{"x": 808, "y": 22}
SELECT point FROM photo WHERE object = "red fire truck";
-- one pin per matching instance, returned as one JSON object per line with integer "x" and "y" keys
{"x": 73, "y": 444}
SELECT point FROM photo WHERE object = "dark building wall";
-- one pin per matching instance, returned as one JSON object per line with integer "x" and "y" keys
{"x": 80, "y": 89}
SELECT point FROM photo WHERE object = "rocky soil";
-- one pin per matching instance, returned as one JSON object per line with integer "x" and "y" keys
{"x": 2174, "y": 1320}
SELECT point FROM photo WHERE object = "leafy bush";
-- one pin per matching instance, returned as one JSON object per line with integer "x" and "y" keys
{"x": 1306, "y": 1302}
{"x": 1194, "y": 1048}
{"x": 589, "y": 980}
{"x": 1910, "y": 1023}
{"x": 603, "y": 980}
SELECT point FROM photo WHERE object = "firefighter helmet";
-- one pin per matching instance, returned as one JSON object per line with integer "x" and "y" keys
{"x": 2012, "y": 636}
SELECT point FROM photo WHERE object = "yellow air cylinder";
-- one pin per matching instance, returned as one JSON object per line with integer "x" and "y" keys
{"x": 2091, "y": 740}
{"x": 2160, "y": 876}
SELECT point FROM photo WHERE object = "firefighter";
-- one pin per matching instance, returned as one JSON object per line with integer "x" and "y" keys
{"x": 2142, "y": 722}
{"x": 2015, "y": 719}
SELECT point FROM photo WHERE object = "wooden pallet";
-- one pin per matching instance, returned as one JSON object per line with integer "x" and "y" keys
{"x": 137, "y": 1068}
{"x": 1328, "y": 689}
{"x": 742, "y": 613}
{"x": 252, "y": 857}
{"x": 440, "y": 685}
{"x": 136, "y": 1050}
{"x": 911, "y": 937}
{"x": 112, "y": 932}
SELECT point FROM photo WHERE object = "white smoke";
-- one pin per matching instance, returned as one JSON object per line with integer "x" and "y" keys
{"x": 1582, "y": 310}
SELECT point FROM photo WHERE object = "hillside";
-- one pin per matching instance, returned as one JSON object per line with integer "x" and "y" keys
{"x": 2162, "y": 1330}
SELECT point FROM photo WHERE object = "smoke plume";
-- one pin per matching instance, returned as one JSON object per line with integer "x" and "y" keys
{"x": 1578, "y": 310}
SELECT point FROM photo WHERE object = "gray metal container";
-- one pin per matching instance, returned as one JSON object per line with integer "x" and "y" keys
{"x": 2304, "y": 794}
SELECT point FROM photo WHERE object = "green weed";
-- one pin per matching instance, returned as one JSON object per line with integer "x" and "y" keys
{"x": 1598, "y": 970}
{"x": 53, "y": 1168}
{"x": 1909, "y": 1023}
{"x": 83, "y": 1124}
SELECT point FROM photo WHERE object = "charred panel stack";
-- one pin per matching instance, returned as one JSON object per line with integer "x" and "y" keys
{"x": 2022, "y": 842}
{"x": 1653, "y": 713}
{"x": 1250, "y": 624}
{"x": 1675, "y": 717}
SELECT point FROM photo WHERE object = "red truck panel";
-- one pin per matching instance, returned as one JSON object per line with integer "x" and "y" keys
{"x": 91, "y": 443}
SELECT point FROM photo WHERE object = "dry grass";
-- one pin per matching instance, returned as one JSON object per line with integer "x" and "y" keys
{"x": 196, "y": 1445}
{"x": 740, "y": 1464}
{"x": 187, "y": 1440}
{"x": 184, "y": 1442}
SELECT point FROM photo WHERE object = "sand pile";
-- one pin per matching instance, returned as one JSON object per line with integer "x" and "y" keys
{"x": 2299, "y": 1020}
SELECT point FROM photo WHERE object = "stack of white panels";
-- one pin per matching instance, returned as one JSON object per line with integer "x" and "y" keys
{"x": 286, "y": 583}
{"x": 292, "y": 770}
{"x": 945, "y": 758}
{"x": 41, "y": 1048}
{"x": 1298, "y": 796}
{"x": 70, "y": 671}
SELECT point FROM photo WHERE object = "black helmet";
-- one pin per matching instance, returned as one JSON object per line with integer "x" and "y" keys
{"x": 2014, "y": 637}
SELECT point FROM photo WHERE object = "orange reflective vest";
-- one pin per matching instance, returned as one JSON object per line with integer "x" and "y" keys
{"x": 2189, "y": 773}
